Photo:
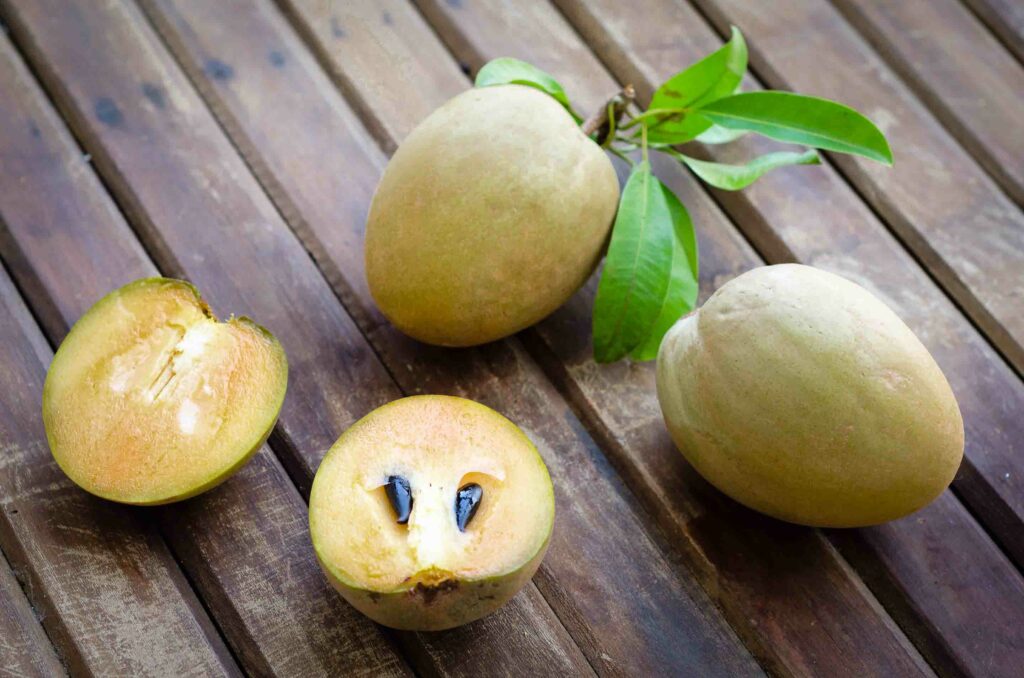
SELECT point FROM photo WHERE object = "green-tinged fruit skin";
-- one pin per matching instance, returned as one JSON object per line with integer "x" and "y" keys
{"x": 452, "y": 604}
{"x": 801, "y": 395}
{"x": 490, "y": 215}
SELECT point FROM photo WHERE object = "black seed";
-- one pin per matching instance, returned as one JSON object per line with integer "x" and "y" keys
{"x": 467, "y": 501}
{"x": 400, "y": 496}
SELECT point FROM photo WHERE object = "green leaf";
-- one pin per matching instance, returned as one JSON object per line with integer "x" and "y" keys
{"x": 735, "y": 177}
{"x": 716, "y": 134}
{"x": 715, "y": 76}
{"x": 685, "y": 126}
{"x": 509, "y": 71}
{"x": 681, "y": 296}
{"x": 803, "y": 120}
{"x": 637, "y": 268}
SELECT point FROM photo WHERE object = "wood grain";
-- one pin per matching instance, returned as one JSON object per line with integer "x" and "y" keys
{"x": 1005, "y": 18}
{"x": 940, "y": 203}
{"x": 644, "y": 44}
{"x": 787, "y": 608}
{"x": 127, "y": 609}
{"x": 601, "y": 547}
{"x": 267, "y": 586}
{"x": 959, "y": 70}
{"x": 24, "y": 648}
{"x": 247, "y": 542}
{"x": 992, "y": 480}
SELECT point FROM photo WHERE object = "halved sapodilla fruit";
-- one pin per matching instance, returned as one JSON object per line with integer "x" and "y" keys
{"x": 430, "y": 512}
{"x": 151, "y": 400}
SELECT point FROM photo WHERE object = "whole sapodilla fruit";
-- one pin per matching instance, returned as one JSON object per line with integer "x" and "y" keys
{"x": 801, "y": 395}
{"x": 490, "y": 215}
{"x": 150, "y": 399}
{"x": 430, "y": 512}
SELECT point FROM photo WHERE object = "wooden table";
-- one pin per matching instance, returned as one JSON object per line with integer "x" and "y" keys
{"x": 237, "y": 144}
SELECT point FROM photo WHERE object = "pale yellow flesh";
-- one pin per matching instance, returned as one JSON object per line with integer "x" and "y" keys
{"x": 801, "y": 395}
{"x": 151, "y": 399}
{"x": 490, "y": 215}
{"x": 439, "y": 444}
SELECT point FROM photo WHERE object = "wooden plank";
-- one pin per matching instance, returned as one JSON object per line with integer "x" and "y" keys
{"x": 67, "y": 249}
{"x": 1005, "y": 18}
{"x": 256, "y": 531}
{"x": 24, "y": 648}
{"x": 644, "y": 48}
{"x": 784, "y": 608}
{"x": 644, "y": 44}
{"x": 601, "y": 547}
{"x": 127, "y": 610}
{"x": 962, "y": 73}
{"x": 992, "y": 481}
{"x": 404, "y": 21}
{"x": 938, "y": 201}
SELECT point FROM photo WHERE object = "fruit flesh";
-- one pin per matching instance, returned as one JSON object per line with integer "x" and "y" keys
{"x": 490, "y": 215}
{"x": 428, "y": 574}
{"x": 150, "y": 399}
{"x": 801, "y": 395}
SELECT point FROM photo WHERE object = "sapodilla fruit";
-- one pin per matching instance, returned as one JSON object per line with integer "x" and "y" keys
{"x": 150, "y": 399}
{"x": 490, "y": 215}
{"x": 430, "y": 512}
{"x": 801, "y": 395}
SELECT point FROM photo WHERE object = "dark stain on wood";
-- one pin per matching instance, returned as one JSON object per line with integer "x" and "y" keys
{"x": 336, "y": 28}
{"x": 218, "y": 70}
{"x": 276, "y": 58}
{"x": 155, "y": 94}
{"x": 108, "y": 113}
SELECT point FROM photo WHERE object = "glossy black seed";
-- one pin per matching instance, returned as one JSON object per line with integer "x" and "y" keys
{"x": 467, "y": 501}
{"x": 400, "y": 495}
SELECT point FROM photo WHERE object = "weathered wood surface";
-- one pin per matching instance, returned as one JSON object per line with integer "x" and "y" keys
{"x": 24, "y": 647}
{"x": 1006, "y": 19}
{"x": 601, "y": 546}
{"x": 990, "y": 395}
{"x": 959, "y": 70}
{"x": 128, "y": 609}
{"x": 651, "y": 570}
{"x": 966, "y": 231}
{"x": 833, "y": 593}
{"x": 221, "y": 538}
{"x": 486, "y": 32}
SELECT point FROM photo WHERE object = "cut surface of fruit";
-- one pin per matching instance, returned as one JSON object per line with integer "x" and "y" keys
{"x": 151, "y": 399}
{"x": 482, "y": 510}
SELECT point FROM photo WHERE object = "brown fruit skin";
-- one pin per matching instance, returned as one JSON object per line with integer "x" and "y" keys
{"x": 801, "y": 395}
{"x": 490, "y": 215}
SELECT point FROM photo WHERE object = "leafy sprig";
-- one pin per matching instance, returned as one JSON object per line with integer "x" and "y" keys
{"x": 650, "y": 273}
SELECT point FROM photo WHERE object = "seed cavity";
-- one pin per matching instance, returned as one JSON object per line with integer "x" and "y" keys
{"x": 400, "y": 495}
{"x": 467, "y": 501}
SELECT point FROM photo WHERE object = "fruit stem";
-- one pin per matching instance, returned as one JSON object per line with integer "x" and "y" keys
{"x": 607, "y": 117}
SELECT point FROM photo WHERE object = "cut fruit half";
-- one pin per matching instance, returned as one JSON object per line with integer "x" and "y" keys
{"x": 150, "y": 399}
{"x": 430, "y": 512}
